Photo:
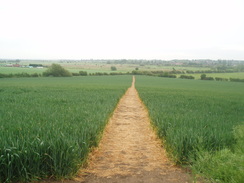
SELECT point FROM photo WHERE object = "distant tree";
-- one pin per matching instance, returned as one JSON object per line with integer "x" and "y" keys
{"x": 137, "y": 68}
{"x": 186, "y": 77}
{"x": 203, "y": 76}
{"x": 237, "y": 79}
{"x": 34, "y": 75}
{"x": 113, "y": 68}
{"x": 57, "y": 70}
{"x": 75, "y": 74}
{"x": 35, "y": 65}
{"x": 83, "y": 73}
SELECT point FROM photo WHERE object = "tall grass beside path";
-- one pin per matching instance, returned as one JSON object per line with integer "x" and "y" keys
{"x": 48, "y": 125}
{"x": 193, "y": 116}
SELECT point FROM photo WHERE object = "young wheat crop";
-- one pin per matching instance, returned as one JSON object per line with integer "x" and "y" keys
{"x": 48, "y": 125}
{"x": 193, "y": 115}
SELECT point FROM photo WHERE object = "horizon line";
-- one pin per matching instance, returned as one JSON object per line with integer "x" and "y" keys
{"x": 104, "y": 59}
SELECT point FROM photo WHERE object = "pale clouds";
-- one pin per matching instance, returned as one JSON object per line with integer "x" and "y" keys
{"x": 137, "y": 29}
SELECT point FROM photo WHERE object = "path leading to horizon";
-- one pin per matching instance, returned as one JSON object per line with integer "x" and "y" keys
{"x": 129, "y": 150}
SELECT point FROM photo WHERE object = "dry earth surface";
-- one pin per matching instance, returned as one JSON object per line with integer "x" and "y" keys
{"x": 129, "y": 150}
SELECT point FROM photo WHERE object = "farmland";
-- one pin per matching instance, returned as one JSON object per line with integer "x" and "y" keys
{"x": 15, "y": 70}
{"x": 193, "y": 117}
{"x": 219, "y": 70}
{"x": 48, "y": 125}
{"x": 220, "y": 75}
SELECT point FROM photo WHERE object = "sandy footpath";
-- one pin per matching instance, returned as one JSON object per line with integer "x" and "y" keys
{"x": 129, "y": 150}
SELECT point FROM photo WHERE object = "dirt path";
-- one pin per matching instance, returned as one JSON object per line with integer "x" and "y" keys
{"x": 129, "y": 150}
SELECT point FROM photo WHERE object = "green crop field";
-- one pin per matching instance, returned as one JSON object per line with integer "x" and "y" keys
{"x": 197, "y": 116}
{"x": 92, "y": 67}
{"x": 220, "y": 75}
{"x": 15, "y": 70}
{"x": 49, "y": 124}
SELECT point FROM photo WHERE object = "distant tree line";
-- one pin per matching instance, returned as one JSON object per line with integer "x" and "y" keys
{"x": 81, "y": 73}
{"x": 186, "y": 77}
{"x": 204, "y": 77}
{"x": 236, "y": 80}
{"x": 170, "y": 74}
{"x": 56, "y": 70}
{"x": 212, "y": 71}
{"x": 36, "y": 65}
{"x": 221, "y": 79}
{"x": 19, "y": 75}
{"x": 107, "y": 74}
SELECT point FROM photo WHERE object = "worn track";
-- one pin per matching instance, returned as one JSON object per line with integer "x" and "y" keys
{"x": 130, "y": 150}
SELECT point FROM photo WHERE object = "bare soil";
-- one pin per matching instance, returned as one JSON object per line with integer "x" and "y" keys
{"x": 129, "y": 150}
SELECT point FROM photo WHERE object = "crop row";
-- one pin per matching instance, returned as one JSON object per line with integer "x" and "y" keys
{"x": 195, "y": 116}
{"x": 48, "y": 125}
{"x": 189, "y": 114}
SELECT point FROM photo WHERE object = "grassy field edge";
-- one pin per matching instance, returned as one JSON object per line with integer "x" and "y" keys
{"x": 196, "y": 151}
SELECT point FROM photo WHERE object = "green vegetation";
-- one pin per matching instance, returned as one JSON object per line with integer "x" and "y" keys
{"x": 166, "y": 74}
{"x": 236, "y": 80}
{"x": 225, "y": 165}
{"x": 113, "y": 68}
{"x": 48, "y": 125}
{"x": 220, "y": 75}
{"x": 193, "y": 116}
{"x": 16, "y": 70}
{"x": 219, "y": 70}
{"x": 82, "y": 73}
{"x": 57, "y": 70}
{"x": 186, "y": 77}
{"x": 204, "y": 77}
{"x": 52, "y": 120}
{"x": 19, "y": 75}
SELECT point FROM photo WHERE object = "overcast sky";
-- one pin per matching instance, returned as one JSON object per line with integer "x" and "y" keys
{"x": 122, "y": 29}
